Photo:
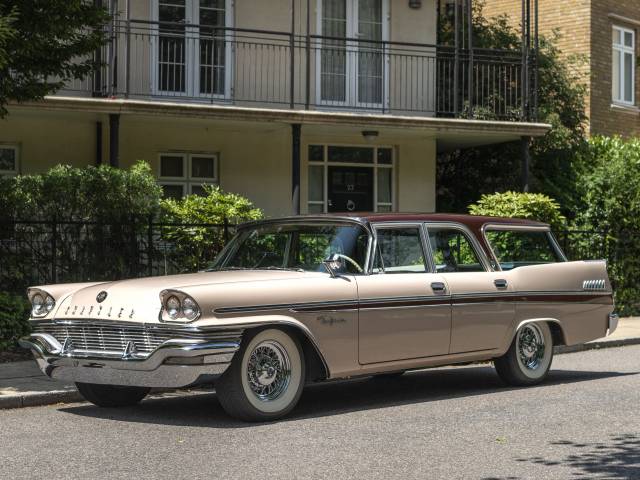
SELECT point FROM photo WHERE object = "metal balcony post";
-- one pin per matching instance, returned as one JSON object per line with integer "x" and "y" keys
{"x": 128, "y": 50}
{"x": 456, "y": 65}
{"x": 536, "y": 60}
{"x": 292, "y": 56}
{"x": 471, "y": 65}
{"x": 308, "y": 52}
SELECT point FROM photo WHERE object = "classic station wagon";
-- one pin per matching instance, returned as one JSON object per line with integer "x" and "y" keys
{"x": 313, "y": 298}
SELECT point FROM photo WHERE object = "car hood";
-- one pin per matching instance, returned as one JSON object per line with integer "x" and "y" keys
{"x": 139, "y": 299}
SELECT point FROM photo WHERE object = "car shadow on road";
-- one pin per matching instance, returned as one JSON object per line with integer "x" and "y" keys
{"x": 618, "y": 457}
{"x": 334, "y": 398}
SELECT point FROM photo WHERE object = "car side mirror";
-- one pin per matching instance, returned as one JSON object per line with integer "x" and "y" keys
{"x": 332, "y": 264}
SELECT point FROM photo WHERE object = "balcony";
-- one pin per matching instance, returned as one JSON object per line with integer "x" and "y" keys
{"x": 281, "y": 70}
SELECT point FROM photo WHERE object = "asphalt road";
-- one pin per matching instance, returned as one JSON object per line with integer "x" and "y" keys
{"x": 444, "y": 423}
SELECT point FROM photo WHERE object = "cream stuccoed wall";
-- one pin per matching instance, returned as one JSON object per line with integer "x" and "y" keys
{"x": 255, "y": 158}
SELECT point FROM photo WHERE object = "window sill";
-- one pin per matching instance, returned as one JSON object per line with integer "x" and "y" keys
{"x": 630, "y": 109}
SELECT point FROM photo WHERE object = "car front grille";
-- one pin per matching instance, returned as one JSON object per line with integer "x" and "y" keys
{"x": 92, "y": 337}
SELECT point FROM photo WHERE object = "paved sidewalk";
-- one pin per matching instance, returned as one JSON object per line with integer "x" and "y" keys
{"x": 23, "y": 385}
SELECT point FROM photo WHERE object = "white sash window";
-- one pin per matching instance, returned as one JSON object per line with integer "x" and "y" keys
{"x": 624, "y": 75}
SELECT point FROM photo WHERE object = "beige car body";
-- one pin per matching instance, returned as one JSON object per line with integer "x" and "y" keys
{"x": 349, "y": 325}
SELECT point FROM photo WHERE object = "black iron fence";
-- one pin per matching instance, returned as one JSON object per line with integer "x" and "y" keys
{"x": 280, "y": 69}
{"x": 36, "y": 253}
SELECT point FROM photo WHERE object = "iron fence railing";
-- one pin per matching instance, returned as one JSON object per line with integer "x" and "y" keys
{"x": 44, "y": 252}
{"x": 153, "y": 60}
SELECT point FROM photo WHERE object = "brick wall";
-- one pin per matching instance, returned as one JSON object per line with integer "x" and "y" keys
{"x": 569, "y": 18}
{"x": 605, "y": 118}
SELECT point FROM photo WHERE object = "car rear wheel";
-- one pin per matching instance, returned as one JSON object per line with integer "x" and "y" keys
{"x": 528, "y": 360}
{"x": 265, "y": 379}
{"x": 112, "y": 395}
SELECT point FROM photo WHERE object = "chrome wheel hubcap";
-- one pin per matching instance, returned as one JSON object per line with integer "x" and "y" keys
{"x": 269, "y": 370}
{"x": 531, "y": 346}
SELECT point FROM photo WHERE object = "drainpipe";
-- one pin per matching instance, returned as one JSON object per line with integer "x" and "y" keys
{"x": 296, "y": 129}
{"x": 525, "y": 142}
{"x": 98, "y": 143}
{"x": 114, "y": 140}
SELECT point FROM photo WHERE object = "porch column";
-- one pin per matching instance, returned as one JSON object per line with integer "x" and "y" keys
{"x": 295, "y": 168}
{"x": 526, "y": 160}
{"x": 114, "y": 140}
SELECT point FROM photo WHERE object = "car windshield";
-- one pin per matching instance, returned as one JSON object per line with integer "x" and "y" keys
{"x": 296, "y": 247}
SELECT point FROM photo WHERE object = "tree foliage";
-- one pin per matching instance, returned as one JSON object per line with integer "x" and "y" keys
{"x": 14, "y": 313}
{"x": 609, "y": 183}
{"x": 44, "y": 44}
{"x": 199, "y": 243}
{"x": 464, "y": 175}
{"x": 531, "y": 206}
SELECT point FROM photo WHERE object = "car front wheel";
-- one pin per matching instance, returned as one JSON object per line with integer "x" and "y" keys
{"x": 112, "y": 395}
{"x": 528, "y": 360}
{"x": 265, "y": 379}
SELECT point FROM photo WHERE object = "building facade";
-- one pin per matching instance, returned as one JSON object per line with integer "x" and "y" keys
{"x": 603, "y": 35}
{"x": 301, "y": 106}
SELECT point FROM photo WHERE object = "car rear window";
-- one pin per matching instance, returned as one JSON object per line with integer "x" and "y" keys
{"x": 518, "y": 248}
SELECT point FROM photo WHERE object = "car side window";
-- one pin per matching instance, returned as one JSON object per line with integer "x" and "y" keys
{"x": 399, "y": 251}
{"x": 452, "y": 251}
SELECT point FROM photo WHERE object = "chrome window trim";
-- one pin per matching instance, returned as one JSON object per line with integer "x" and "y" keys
{"x": 375, "y": 226}
{"x": 475, "y": 244}
{"x": 531, "y": 228}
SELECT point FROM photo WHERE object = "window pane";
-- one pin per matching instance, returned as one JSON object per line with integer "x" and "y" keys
{"x": 616, "y": 75}
{"x": 452, "y": 251}
{"x": 385, "y": 156}
{"x": 173, "y": 191}
{"x": 7, "y": 159}
{"x": 384, "y": 208}
{"x": 384, "y": 185}
{"x": 333, "y": 55}
{"x": 400, "y": 250}
{"x": 316, "y": 208}
{"x": 171, "y": 166}
{"x": 518, "y": 248}
{"x": 628, "y": 39}
{"x": 203, "y": 167}
{"x": 198, "y": 190}
{"x": 316, "y": 184}
{"x": 617, "y": 37}
{"x": 316, "y": 153}
{"x": 351, "y": 154}
{"x": 628, "y": 77}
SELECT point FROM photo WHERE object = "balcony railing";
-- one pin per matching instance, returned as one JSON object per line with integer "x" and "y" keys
{"x": 147, "y": 60}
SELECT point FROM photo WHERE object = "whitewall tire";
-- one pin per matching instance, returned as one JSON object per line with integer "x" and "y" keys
{"x": 265, "y": 379}
{"x": 528, "y": 360}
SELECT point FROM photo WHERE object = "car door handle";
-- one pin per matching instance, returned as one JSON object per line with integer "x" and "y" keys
{"x": 438, "y": 287}
{"x": 500, "y": 283}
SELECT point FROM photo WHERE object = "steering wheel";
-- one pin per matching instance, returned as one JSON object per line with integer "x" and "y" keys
{"x": 351, "y": 261}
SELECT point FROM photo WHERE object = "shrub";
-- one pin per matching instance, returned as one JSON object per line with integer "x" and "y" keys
{"x": 14, "y": 313}
{"x": 532, "y": 206}
{"x": 610, "y": 187}
{"x": 198, "y": 245}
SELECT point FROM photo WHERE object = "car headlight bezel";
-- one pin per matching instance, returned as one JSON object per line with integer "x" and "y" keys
{"x": 178, "y": 307}
{"x": 42, "y": 303}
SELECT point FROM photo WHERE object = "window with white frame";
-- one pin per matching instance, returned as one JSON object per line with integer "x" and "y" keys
{"x": 192, "y": 48}
{"x": 183, "y": 174}
{"x": 8, "y": 160}
{"x": 321, "y": 187}
{"x": 624, "y": 65}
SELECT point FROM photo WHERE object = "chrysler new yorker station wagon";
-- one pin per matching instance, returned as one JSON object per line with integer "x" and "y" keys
{"x": 312, "y": 298}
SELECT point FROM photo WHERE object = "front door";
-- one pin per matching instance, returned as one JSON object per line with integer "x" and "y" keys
{"x": 350, "y": 189}
{"x": 405, "y": 310}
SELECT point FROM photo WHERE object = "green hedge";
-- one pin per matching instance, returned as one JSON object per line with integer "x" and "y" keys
{"x": 14, "y": 313}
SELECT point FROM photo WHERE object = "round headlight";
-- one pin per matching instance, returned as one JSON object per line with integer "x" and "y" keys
{"x": 190, "y": 308}
{"x": 173, "y": 307}
{"x": 49, "y": 303}
{"x": 37, "y": 305}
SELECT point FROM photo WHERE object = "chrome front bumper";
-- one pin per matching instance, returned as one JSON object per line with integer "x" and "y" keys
{"x": 174, "y": 364}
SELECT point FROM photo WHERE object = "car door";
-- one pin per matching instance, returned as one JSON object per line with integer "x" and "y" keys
{"x": 404, "y": 308}
{"x": 482, "y": 307}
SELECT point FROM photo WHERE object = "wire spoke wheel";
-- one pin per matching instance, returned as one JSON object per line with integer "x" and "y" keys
{"x": 269, "y": 370}
{"x": 530, "y": 346}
